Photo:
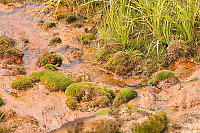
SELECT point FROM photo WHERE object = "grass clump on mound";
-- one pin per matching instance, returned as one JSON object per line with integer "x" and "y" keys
{"x": 161, "y": 75}
{"x": 1, "y": 101}
{"x": 49, "y": 58}
{"x": 55, "y": 81}
{"x": 156, "y": 123}
{"x": 91, "y": 94}
{"x": 51, "y": 67}
{"x": 35, "y": 76}
{"x": 125, "y": 95}
{"x": 21, "y": 83}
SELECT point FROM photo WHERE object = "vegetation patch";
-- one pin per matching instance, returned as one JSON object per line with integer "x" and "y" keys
{"x": 125, "y": 95}
{"x": 88, "y": 94}
{"x": 49, "y": 58}
{"x": 21, "y": 83}
{"x": 161, "y": 75}
{"x": 68, "y": 17}
{"x": 51, "y": 67}
{"x": 156, "y": 123}
{"x": 55, "y": 81}
{"x": 102, "y": 112}
{"x": 1, "y": 101}
{"x": 2, "y": 116}
{"x": 55, "y": 40}
{"x": 36, "y": 76}
{"x": 86, "y": 38}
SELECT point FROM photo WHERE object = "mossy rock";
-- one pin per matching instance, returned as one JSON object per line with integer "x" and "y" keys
{"x": 86, "y": 38}
{"x": 156, "y": 123}
{"x": 161, "y": 75}
{"x": 49, "y": 58}
{"x": 1, "y": 101}
{"x": 21, "y": 83}
{"x": 51, "y": 67}
{"x": 55, "y": 81}
{"x": 125, "y": 95}
{"x": 107, "y": 51}
{"x": 35, "y": 76}
{"x": 178, "y": 49}
{"x": 69, "y": 18}
{"x": 91, "y": 94}
{"x": 55, "y": 40}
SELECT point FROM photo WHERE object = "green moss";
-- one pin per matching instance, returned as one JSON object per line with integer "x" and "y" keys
{"x": 1, "y": 101}
{"x": 161, "y": 75}
{"x": 102, "y": 112}
{"x": 21, "y": 83}
{"x": 107, "y": 51}
{"x": 71, "y": 102}
{"x": 55, "y": 81}
{"x": 51, "y": 67}
{"x": 35, "y": 76}
{"x": 49, "y": 58}
{"x": 92, "y": 94}
{"x": 156, "y": 123}
{"x": 55, "y": 40}
{"x": 4, "y": 130}
{"x": 86, "y": 38}
{"x": 125, "y": 95}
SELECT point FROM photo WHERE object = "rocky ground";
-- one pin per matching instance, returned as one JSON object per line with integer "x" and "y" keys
{"x": 40, "y": 110}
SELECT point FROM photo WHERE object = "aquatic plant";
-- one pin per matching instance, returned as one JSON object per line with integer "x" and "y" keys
{"x": 21, "y": 83}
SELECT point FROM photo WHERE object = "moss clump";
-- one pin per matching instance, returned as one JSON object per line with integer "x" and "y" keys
{"x": 107, "y": 51}
{"x": 7, "y": 41}
{"x": 91, "y": 94}
{"x": 50, "y": 25}
{"x": 71, "y": 102}
{"x": 125, "y": 95}
{"x": 55, "y": 40}
{"x": 122, "y": 63}
{"x": 156, "y": 123}
{"x": 2, "y": 116}
{"x": 51, "y": 67}
{"x": 86, "y": 38}
{"x": 102, "y": 112}
{"x": 35, "y": 76}
{"x": 1, "y": 101}
{"x": 161, "y": 75}
{"x": 55, "y": 81}
{"x": 4, "y": 130}
{"x": 21, "y": 83}
{"x": 49, "y": 58}
{"x": 69, "y": 18}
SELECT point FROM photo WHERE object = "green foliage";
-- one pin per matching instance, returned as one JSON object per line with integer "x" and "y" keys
{"x": 102, "y": 112}
{"x": 51, "y": 67}
{"x": 55, "y": 81}
{"x": 1, "y": 101}
{"x": 86, "y": 38}
{"x": 161, "y": 75}
{"x": 125, "y": 95}
{"x": 36, "y": 76}
{"x": 92, "y": 94}
{"x": 21, "y": 83}
{"x": 49, "y": 58}
{"x": 156, "y": 123}
{"x": 71, "y": 102}
{"x": 55, "y": 40}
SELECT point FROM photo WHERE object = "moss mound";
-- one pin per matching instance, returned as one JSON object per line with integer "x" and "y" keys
{"x": 161, "y": 75}
{"x": 7, "y": 41}
{"x": 55, "y": 40}
{"x": 55, "y": 81}
{"x": 90, "y": 94}
{"x": 21, "y": 83}
{"x": 35, "y": 76}
{"x": 156, "y": 123}
{"x": 123, "y": 63}
{"x": 69, "y": 18}
{"x": 49, "y": 58}
{"x": 50, "y": 25}
{"x": 1, "y": 101}
{"x": 71, "y": 102}
{"x": 86, "y": 38}
{"x": 51, "y": 67}
{"x": 125, "y": 95}
{"x": 107, "y": 51}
